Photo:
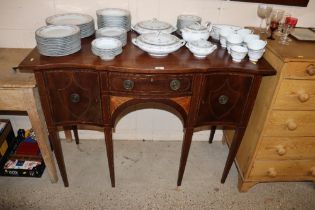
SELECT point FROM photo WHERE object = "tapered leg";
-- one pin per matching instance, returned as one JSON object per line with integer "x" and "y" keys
{"x": 237, "y": 139}
{"x": 184, "y": 154}
{"x": 213, "y": 128}
{"x": 110, "y": 154}
{"x": 76, "y": 135}
{"x": 59, "y": 156}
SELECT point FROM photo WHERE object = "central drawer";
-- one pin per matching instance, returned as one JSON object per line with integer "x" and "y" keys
{"x": 150, "y": 84}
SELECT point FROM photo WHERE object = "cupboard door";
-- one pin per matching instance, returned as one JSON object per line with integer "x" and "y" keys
{"x": 74, "y": 96}
{"x": 224, "y": 98}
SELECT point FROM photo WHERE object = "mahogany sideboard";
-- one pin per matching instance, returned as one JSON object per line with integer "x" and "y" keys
{"x": 83, "y": 89}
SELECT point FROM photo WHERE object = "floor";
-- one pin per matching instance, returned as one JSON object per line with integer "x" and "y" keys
{"x": 146, "y": 173}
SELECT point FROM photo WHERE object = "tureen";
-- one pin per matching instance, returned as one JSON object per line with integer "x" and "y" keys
{"x": 201, "y": 48}
{"x": 158, "y": 44}
{"x": 154, "y": 25}
{"x": 196, "y": 32}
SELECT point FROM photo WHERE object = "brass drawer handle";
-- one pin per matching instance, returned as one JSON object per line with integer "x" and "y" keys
{"x": 272, "y": 172}
{"x": 128, "y": 84}
{"x": 75, "y": 98}
{"x": 281, "y": 150}
{"x": 291, "y": 125}
{"x": 175, "y": 84}
{"x": 313, "y": 171}
{"x": 223, "y": 99}
{"x": 303, "y": 97}
{"x": 310, "y": 70}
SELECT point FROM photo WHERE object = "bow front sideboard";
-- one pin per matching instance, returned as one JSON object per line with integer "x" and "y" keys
{"x": 83, "y": 89}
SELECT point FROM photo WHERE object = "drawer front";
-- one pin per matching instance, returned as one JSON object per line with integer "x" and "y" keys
{"x": 150, "y": 84}
{"x": 296, "y": 95}
{"x": 286, "y": 148}
{"x": 74, "y": 96}
{"x": 290, "y": 123}
{"x": 283, "y": 170}
{"x": 224, "y": 98}
{"x": 300, "y": 70}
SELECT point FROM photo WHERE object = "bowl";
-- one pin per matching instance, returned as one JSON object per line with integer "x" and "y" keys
{"x": 224, "y": 33}
{"x": 256, "y": 44}
{"x": 255, "y": 55}
{"x": 250, "y": 37}
{"x": 201, "y": 48}
{"x": 106, "y": 48}
{"x": 233, "y": 40}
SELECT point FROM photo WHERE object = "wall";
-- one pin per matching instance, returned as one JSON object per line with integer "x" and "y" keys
{"x": 19, "y": 19}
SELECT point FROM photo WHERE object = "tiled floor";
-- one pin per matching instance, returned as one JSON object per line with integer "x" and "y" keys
{"x": 146, "y": 173}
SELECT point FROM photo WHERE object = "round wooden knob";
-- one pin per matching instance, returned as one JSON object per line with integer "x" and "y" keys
{"x": 281, "y": 150}
{"x": 310, "y": 70}
{"x": 272, "y": 172}
{"x": 313, "y": 171}
{"x": 303, "y": 97}
{"x": 291, "y": 125}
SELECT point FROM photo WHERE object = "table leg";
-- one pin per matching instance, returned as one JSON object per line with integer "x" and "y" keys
{"x": 53, "y": 133}
{"x": 76, "y": 135}
{"x": 68, "y": 135}
{"x": 213, "y": 128}
{"x": 184, "y": 154}
{"x": 110, "y": 153}
{"x": 237, "y": 139}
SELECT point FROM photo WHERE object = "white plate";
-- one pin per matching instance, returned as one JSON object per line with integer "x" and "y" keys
{"x": 53, "y": 31}
{"x": 113, "y": 12}
{"x": 69, "y": 19}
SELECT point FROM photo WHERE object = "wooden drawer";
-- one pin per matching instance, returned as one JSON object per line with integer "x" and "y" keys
{"x": 299, "y": 70}
{"x": 284, "y": 148}
{"x": 283, "y": 170}
{"x": 290, "y": 123}
{"x": 74, "y": 96}
{"x": 296, "y": 95}
{"x": 150, "y": 84}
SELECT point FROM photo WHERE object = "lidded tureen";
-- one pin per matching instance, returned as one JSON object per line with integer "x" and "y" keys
{"x": 196, "y": 32}
{"x": 158, "y": 44}
{"x": 154, "y": 25}
{"x": 201, "y": 48}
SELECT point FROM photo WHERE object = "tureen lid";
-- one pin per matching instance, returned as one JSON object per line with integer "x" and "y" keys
{"x": 196, "y": 27}
{"x": 201, "y": 43}
{"x": 154, "y": 24}
{"x": 160, "y": 39}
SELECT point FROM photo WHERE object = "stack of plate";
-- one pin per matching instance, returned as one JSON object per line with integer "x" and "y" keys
{"x": 106, "y": 48}
{"x": 184, "y": 21}
{"x": 113, "y": 32}
{"x": 58, "y": 40}
{"x": 113, "y": 17}
{"x": 84, "y": 22}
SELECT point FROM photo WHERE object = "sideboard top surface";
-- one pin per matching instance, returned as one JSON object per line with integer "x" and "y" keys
{"x": 135, "y": 60}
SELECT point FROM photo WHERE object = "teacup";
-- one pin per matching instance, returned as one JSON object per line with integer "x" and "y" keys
{"x": 255, "y": 55}
{"x": 224, "y": 33}
{"x": 256, "y": 44}
{"x": 250, "y": 37}
{"x": 244, "y": 32}
{"x": 233, "y": 40}
{"x": 238, "y": 53}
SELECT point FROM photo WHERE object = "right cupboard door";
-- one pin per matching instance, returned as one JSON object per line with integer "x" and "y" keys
{"x": 224, "y": 98}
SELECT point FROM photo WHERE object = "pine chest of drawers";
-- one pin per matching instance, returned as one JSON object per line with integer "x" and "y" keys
{"x": 279, "y": 142}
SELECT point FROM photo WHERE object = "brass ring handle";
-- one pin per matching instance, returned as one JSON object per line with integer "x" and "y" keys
{"x": 310, "y": 70}
{"x": 291, "y": 125}
{"x": 272, "y": 172}
{"x": 281, "y": 150}
{"x": 303, "y": 97}
{"x": 75, "y": 98}
{"x": 223, "y": 99}
{"x": 175, "y": 84}
{"x": 128, "y": 84}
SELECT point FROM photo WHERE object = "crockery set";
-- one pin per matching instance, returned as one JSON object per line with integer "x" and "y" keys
{"x": 62, "y": 36}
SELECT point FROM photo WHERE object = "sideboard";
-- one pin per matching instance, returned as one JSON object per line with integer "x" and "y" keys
{"x": 83, "y": 89}
{"x": 279, "y": 143}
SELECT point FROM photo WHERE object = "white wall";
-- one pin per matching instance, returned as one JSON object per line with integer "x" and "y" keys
{"x": 20, "y": 18}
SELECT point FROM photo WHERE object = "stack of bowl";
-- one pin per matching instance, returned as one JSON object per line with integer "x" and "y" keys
{"x": 106, "y": 48}
{"x": 113, "y": 32}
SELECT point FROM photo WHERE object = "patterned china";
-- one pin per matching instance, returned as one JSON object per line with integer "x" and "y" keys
{"x": 113, "y": 17}
{"x": 186, "y": 20}
{"x": 114, "y": 32}
{"x": 158, "y": 44}
{"x": 196, "y": 31}
{"x": 154, "y": 25}
{"x": 106, "y": 48}
{"x": 201, "y": 48}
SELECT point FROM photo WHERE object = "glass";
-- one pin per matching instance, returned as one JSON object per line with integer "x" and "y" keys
{"x": 289, "y": 25}
{"x": 274, "y": 20}
{"x": 263, "y": 12}
{"x": 281, "y": 24}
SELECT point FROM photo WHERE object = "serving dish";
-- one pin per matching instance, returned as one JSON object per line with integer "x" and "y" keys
{"x": 154, "y": 25}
